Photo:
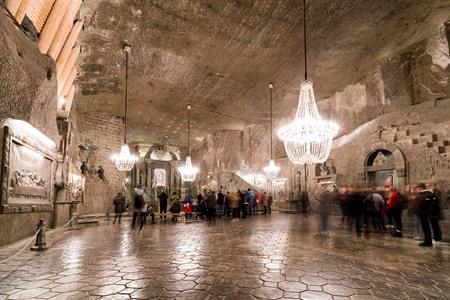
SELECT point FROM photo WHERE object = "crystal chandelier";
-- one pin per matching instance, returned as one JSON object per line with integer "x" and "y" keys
{"x": 188, "y": 172}
{"x": 308, "y": 138}
{"x": 125, "y": 160}
{"x": 271, "y": 170}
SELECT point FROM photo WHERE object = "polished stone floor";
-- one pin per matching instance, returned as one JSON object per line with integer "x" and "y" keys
{"x": 268, "y": 257}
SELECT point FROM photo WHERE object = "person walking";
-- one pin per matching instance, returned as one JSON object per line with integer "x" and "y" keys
{"x": 393, "y": 209}
{"x": 269, "y": 203}
{"x": 227, "y": 207}
{"x": 250, "y": 199}
{"x": 175, "y": 206}
{"x": 119, "y": 206}
{"x": 211, "y": 203}
{"x": 427, "y": 209}
{"x": 234, "y": 205}
{"x": 162, "y": 204}
{"x": 325, "y": 207}
{"x": 220, "y": 203}
{"x": 138, "y": 207}
{"x": 264, "y": 201}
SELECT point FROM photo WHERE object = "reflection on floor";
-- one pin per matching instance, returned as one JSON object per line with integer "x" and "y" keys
{"x": 269, "y": 257}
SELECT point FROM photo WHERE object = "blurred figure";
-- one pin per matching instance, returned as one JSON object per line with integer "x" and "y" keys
{"x": 163, "y": 204}
{"x": 264, "y": 201}
{"x": 120, "y": 203}
{"x": 227, "y": 207}
{"x": 242, "y": 198}
{"x": 220, "y": 203}
{"x": 250, "y": 201}
{"x": 428, "y": 211}
{"x": 393, "y": 209}
{"x": 269, "y": 203}
{"x": 234, "y": 205}
{"x": 355, "y": 209}
{"x": 373, "y": 205}
{"x": 344, "y": 200}
{"x": 175, "y": 206}
{"x": 304, "y": 201}
{"x": 139, "y": 209}
{"x": 325, "y": 207}
{"x": 211, "y": 203}
{"x": 412, "y": 210}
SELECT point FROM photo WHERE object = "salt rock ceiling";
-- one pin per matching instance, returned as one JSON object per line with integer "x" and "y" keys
{"x": 219, "y": 56}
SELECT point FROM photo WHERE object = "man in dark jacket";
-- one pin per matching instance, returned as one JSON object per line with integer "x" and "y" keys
{"x": 428, "y": 211}
{"x": 119, "y": 206}
{"x": 163, "y": 204}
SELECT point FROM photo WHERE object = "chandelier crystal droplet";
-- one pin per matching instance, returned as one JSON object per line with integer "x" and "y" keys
{"x": 308, "y": 138}
{"x": 125, "y": 160}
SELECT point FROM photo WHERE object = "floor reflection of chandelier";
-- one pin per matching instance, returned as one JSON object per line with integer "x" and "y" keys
{"x": 308, "y": 138}
{"x": 124, "y": 161}
{"x": 271, "y": 170}
{"x": 188, "y": 172}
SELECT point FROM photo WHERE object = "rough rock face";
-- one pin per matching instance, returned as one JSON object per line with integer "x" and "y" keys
{"x": 220, "y": 55}
{"x": 27, "y": 92}
{"x": 27, "y": 80}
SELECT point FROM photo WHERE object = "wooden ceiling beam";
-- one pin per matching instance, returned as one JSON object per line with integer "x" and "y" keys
{"x": 68, "y": 45}
{"x": 62, "y": 77}
{"x": 52, "y": 24}
{"x": 13, "y": 6}
{"x": 64, "y": 29}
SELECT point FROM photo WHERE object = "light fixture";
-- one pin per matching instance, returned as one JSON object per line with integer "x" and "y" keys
{"x": 308, "y": 138}
{"x": 271, "y": 170}
{"x": 125, "y": 160}
{"x": 188, "y": 172}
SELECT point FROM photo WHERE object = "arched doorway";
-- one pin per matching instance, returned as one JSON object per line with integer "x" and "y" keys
{"x": 380, "y": 167}
{"x": 385, "y": 162}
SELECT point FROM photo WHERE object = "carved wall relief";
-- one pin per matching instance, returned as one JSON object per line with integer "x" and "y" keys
{"x": 27, "y": 173}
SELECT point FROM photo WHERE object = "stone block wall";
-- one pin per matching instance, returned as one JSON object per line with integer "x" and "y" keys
{"x": 97, "y": 137}
{"x": 28, "y": 90}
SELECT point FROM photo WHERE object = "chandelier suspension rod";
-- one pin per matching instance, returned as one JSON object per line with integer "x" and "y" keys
{"x": 126, "y": 49}
{"x": 270, "y": 122}
{"x": 189, "y": 128}
{"x": 304, "y": 39}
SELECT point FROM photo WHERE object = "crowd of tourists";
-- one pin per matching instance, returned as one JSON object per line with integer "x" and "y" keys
{"x": 361, "y": 209}
{"x": 382, "y": 210}
{"x": 206, "y": 205}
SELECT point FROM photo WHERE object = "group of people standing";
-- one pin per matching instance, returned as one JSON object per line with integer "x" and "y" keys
{"x": 235, "y": 204}
{"x": 383, "y": 210}
{"x": 208, "y": 204}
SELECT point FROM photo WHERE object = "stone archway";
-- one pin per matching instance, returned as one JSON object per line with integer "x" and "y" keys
{"x": 384, "y": 160}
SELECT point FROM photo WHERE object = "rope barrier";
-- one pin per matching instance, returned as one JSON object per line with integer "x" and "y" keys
{"x": 33, "y": 238}
{"x": 62, "y": 227}
{"x": 23, "y": 248}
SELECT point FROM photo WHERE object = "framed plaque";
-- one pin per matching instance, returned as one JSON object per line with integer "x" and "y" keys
{"x": 26, "y": 174}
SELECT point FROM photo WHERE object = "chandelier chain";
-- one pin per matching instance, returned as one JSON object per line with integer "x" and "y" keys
{"x": 271, "y": 122}
{"x": 126, "y": 91}
{"x": 304, "y": 40}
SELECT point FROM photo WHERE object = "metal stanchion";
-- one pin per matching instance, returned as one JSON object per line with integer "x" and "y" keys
{"x": 40, "y": 244}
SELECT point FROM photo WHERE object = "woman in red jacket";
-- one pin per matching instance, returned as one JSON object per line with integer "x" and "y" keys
{"x": 393, "y": 209}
